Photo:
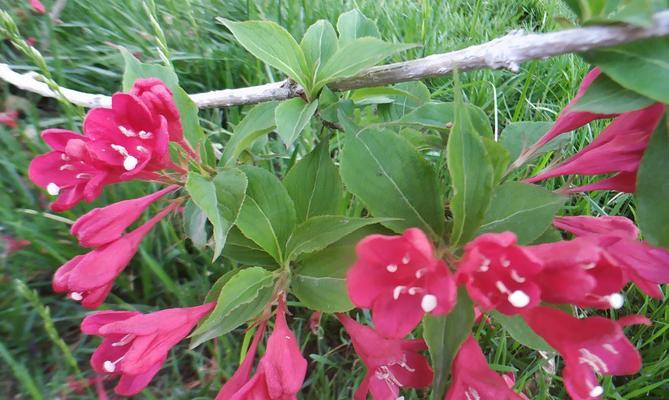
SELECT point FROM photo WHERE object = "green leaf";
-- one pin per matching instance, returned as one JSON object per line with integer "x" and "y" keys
{"x": 268, "y": 214}
{"x": 519, "y": 136}
{"x": 471, "y": 173}
{"x": 314, "y": 184}
{"x": 393, "y": 180}
{"x": 257, "y": 122}
{"x": 273, "y": 45}
{"x": 377, "y": 95}
{"x": 635, "y": 12}
{"x": 417, "y": 95}
{"x": 319, "y": 232}
{"x": 319, "y": 280}
{"x": 219, "y": 199}
{"x": 353, "y": 25}
{"x": 444, "y": 335}
{"x": 356, "y": 56}
{"x": 499, "y": 158}
{"x": 516, "y": 326}
{"x": 652, "y": 188}
{"x": 242, "y": 298}
{"x": 525, "y": 209}
{"x": 135, "y": 69}
{"x": 319, "y": 43}
{"x": 215, "y": 289}
{"x": 245, "y": 251}
{"x": 437, "y": 115}
{"x": 637, "y": 66}
{"x": 292, "y": 116}
{"x": 194, "y": 222}
{"x": 605, "y": 96}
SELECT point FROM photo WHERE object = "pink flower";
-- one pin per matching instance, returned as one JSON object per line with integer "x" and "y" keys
{"x": 579, "y": 272}
{"x": 589, "y": 346}
{"x": 618, "y": 149}
{"x": 499, "y": 274}
{"x": 135, "y": 345}
{"x": 473, "y": 378}
{"x": 280, "y": 371}
{"x": 9, "y": 118}
{"x": 399, "y": 278}
{"x": 243, "y": 373}
{"x": 37, "y": 6}
{"x": 13, "y": 245}
{"x": 103, "y": 225}
{"x": 646, "y": 265}
{"x": 391, "y": 363}
{"x": 89, "y": 278}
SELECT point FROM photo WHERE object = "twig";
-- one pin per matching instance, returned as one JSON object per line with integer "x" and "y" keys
{"x": 506, "y": 52}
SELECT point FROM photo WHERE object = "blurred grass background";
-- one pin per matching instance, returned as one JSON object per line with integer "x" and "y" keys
{"x": 41, "y": 351}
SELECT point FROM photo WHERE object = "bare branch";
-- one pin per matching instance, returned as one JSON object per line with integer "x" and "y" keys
{"x": 506, "y": 52}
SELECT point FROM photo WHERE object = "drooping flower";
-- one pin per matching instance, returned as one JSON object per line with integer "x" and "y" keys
{"x": 647, "y": 266}
{"x": 280, "y": 371}
{"x": 474, "y": 380}
{"x": 8, "y": 118}
{"x": 579, "y": 272}
{"x": 103, "y": 225}
{"x": 243, "y": 373}
{"x": 135, "y": 345}
{"x": 400, "y": 279}
{"x": 617, "y": 150}
{"x": 12, "y": 245}
{"x": 589, "y": 346}
{"x": 88, "y": 278}
{"x": 499, "y": 274}
{"x": 37, "y": 6}
{"x": 391, "y": 363}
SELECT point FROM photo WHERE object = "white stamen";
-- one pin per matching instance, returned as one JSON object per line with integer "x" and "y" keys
{"x": 420, "y": 273}
{"x": 110, "y": 366}
{"x": 64, "y": 167}
{"x": 406, "y": 259}
{"x": 414, "y": 290}
{"x": 129, "y": 163}
{"x": 616, "y": 300}
{"x": 519, "y": 299}
{"x": 505, "y": 263}
{"x": 472, "y": 394}
{"x": 142, "y": 149}
{"x": 124, "y": 340}
{"x": 76, "y": 296}
{"x": 609, "y": 347}
{"x": 64, "y": 157}
{"x": 501, "y": 287}
{"x": 593, "y": 360}
{"x": 428, "y": 303}
{"x": 516, "y": 277}
{"x": 589, "y": 266}
{"x": 145, "y": 135}
{"x": 122, "y": 150}
{"x": 596, "y": 391}
{"x": 484, "y": 268}
{"x": 391, "y": 267}
{"x": 127, "y": 132}
{"x": 84, "y": 175}
{"x": 53, "y": 189}
{"x": 397, "y": 291}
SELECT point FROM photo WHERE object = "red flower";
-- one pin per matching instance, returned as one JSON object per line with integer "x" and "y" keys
{"x": 399, "y": 278}
{"x": 280, "y": 371}
{"x": 89, "y": 278}
{"x": 135, "y": 345}
{"x": 589, "y": 346}
{"x": 473, "y": 378}
{"x": 9, "y": 118}
{"x": 37, "y": 6}
{"x": 646, "y": 265}
{"x": 103, "y": 225}
{"x": 499, "y": 274}
{"x": 391, "y": 363}
{"x": 243, "y": 373}
{"x": 618, "y": 149}
{"x": 579, "y": 272}
{"x": 12, "y": 245}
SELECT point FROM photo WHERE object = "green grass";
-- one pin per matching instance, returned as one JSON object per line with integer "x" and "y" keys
{"x": 40, "y": 346}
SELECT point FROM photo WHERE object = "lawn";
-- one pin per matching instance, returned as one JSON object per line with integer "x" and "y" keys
{"x": 42, "y": 351}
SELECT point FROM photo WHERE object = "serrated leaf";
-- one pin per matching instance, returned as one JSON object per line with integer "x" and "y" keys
{"x": 525, "y": 209}
{"x": 652, "y": 187}
{"x": 194, "y": 222}
{"x": 605, "y": 96}
{"x": 519, "y": 136}
{"x": 516, "y": 326}
{"x": 292, "y": 116}
{"x": 220, "y": 198}
{"x": 637, "y": 66}
{"x": 316, "y": 233}
{"x": 314, "y": 184}
{"x": 444, "y": 335}
{"x": 471, "y": 173}
{"x": 273, "y": 45}
{"x": 353, "y": 25}
{"x": 325, "y": 294}
{"x": 268, "y": 214}
{"x": 245, "y": 251}
{"x": 215, "y": 290}
{"x": 242, "y": 298}
{"x": 319, "y": 43}
{"x": 393, "y": 180}
{"x": 257, "y": 122}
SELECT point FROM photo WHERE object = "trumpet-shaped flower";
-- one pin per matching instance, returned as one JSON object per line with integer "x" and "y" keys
{"x": 400, "y": 279}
